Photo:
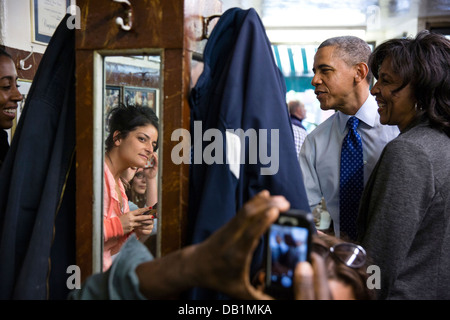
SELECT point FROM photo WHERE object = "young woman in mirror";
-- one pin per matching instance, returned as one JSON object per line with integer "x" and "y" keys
{"x": 136, "y": 181}
{"x": 131, "y": 143}
{"x": 141, "y": 189}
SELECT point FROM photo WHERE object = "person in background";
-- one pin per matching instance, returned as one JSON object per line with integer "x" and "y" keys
{"x": 222, "y": 263}
{"x": 9, "y": 99}
{"x": 341, "y": 80}
{"x": 297, "y": 112}
{"x": 404, "y": 219}
{"x": 131, "y": 142}
{"x": 140, "y": 185}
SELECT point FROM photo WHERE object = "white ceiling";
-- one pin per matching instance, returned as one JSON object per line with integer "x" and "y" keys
{"x": 308, "y": 20}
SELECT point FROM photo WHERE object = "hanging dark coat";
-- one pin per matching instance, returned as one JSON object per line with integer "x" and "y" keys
{"x": 4, "y": 146}
{"x": 37, "y": 185}
{"x": 240, "y": 88}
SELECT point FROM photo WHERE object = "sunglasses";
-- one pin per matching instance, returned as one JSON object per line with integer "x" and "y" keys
{"x": 350, "y": 254}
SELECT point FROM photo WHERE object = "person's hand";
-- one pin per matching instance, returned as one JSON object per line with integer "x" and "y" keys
{"x": 311, "y": 280}
{"x": 224, "y": 259}
{"x": 136, "y": 220}
{"x": 145, "y": 229}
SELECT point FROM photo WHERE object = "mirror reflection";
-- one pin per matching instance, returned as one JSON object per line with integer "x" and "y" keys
{"x": 131, "y": 100}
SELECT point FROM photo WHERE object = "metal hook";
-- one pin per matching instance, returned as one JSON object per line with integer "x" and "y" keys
{"x": 206, "y": 21}
{"x": 129, "y": 19}
{"x": 22, "y": 61}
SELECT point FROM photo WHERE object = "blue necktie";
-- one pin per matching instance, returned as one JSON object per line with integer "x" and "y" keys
{"x": 351, "y": 180}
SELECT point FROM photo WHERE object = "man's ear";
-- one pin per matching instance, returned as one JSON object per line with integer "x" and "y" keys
{"x": 362, "y": 70}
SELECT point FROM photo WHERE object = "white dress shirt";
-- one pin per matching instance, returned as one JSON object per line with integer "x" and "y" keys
{"x": 321, "y": 153}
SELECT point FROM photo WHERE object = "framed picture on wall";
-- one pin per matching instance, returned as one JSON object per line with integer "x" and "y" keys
{"x": 140, "y": 96}
{"x": 45, "y": 18}
{"x": 113, "y": 96}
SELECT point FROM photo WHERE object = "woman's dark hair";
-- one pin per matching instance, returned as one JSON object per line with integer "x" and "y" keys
{"x": 424, "y": 64}
{"x": 354, "y": 277}
{"x": 126, "y": 118}
{"x": 139, "y": 199}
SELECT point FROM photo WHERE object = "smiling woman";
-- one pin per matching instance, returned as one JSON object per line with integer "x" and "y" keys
{"x": 406, "y": 199}
{"x": 9, "y": 98}
{"x": 131, "y": 142}
{"x": 396, "y": 107}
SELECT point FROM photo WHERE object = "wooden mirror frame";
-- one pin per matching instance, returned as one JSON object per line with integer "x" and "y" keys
{"x": 165, "y": 20}
{"x": 175, "y": 27}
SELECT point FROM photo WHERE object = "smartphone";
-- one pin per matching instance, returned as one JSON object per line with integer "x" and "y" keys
{"x": 287, "y": 242}
{"x": 150, "y": 163}
{"x": 151, "y": 211}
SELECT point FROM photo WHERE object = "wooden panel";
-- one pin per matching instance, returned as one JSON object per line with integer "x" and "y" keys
{"x": 177, "y": 85}
{"x": 84, "y": 160}
{"x": 156, "y": 24}
{"x": 173, "y": 199}
{"x": 32, "y": 61}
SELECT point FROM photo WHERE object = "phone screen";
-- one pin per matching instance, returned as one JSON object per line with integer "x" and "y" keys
{"x": 288, "y": 246}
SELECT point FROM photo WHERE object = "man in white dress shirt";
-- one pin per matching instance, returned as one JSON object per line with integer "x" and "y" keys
{"x": 342, "y": 82}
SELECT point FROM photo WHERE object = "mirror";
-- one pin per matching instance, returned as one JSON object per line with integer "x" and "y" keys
{"x": 131, "y": 77}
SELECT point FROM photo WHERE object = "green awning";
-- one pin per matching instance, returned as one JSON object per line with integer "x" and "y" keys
{"x": 295, "y": 62}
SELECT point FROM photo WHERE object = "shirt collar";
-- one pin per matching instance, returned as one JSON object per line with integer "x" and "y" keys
{"x": 367, "y": 114}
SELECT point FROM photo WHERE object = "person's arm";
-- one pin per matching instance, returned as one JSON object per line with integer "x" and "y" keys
{"x": 401, "y": 190}
{"x": 151, "y": 191}
{"x": 310, "y": 177}
{"x": 221, "y": 262}
{"x": 151, "y": 198}
{"x": 112, "y": 228}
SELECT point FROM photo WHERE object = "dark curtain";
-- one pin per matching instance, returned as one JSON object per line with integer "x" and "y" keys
{"x": 37, "y": 181}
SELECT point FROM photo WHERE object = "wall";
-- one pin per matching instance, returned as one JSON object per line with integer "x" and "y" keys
{"x": 16, "y": 37}
{"x": 394, "y": 24}
{"x": 16, "y": 26}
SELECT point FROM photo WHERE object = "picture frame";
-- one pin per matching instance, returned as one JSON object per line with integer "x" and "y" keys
{"x": 113, "y": 97}
{"x": 145, "y": 97}
{"x": 45, "y": 18}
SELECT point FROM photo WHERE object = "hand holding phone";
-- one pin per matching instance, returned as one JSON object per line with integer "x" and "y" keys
{"x": 288, "y": 242}
{"x": 151, "y": 211}
{"x": 150, "y": 162}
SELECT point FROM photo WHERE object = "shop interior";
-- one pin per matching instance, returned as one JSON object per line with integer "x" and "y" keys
{"x": 150, "y": 53}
